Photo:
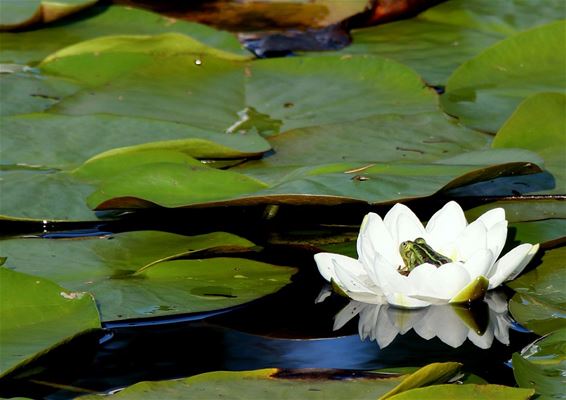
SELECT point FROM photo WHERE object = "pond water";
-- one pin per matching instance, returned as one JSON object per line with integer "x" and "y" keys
{"x": 291, "y": 329}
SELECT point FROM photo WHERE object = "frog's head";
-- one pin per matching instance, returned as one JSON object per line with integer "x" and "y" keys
{"x": 418, "y": 252}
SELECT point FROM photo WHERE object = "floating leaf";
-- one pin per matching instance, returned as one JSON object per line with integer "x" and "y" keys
{"x": 484, "y": 91}
{"x": 468, "y": 392}
{"x": 37, "y": 315}
{"x": 14, "y": 13}
{"x": 60, "y": 141}
{"x": 541, "y": 365}
{"x": 437, "y": 41}
{"x": 538, "y": 125}
{"x": 265, "y": 383}
{"x": 428, "y": 375}
{"x": 32, "y": 46}
{"x": 131, "y": 276}
{"x": 540, "y": 302}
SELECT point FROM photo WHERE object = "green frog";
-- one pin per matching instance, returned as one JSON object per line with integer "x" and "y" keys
{"x": 418, "y": 252}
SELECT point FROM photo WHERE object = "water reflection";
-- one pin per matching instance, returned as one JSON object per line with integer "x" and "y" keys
{"x": 451, "y": 324}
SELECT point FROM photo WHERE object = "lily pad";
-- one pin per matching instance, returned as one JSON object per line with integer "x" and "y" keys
{"x": 63, "y": 142}
{"x": 31, "y": 47}
{"x": 468, "y": 391}
{"x": 484, "y": 91}
{"x": 37, "y": 315}
{"x": 541, "y": 365}
{"x": 437, "y": 41}
{"x": 14, "y": 13}
{"x": 538, "y": 125}
{"x": 540, "y": 302}
{"x": 131, "y": 274}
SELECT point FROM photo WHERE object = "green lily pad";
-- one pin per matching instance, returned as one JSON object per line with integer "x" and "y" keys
{"x": 14, "y": 13}
{"x": 428, "y": 375}
{"x": 31, "y": 47}
{"x": 538, "y": 125}
{"x": 132, "y": 275}
{"x": 63, "y": 142}
{"x": 153, "y": 184}
{"x": 437, "y": 41}
{"x": 37, "y": 315}
{"x": 468, "y": 391}
{"x": 27, "y": 92}
{"x": 272, "y": 383}
{"x": 541, "y": 365}
{"x": 484, "y": 91}
{"x": 540, "y": 303}
{"x": 56, "y": 9}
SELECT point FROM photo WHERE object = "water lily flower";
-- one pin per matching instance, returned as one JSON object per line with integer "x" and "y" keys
{"x": 451, "y": 324}
{"x": 406, "y": 264}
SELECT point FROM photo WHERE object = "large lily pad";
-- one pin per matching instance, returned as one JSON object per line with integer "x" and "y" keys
{"x": 37, "y": 315}
{"x": 438, "y": 40}
{"x": 63, "y": 142}
{"x": 475, "y": 392}
{"x": 540, "y": 302}
{"x": 484, "y": 91}
{"x": 131, "y": 276}
{"x": 283, "y": 384}
{"x": 541, "y": 365}
{"x": 539, "y": 124}
{"x": 17, "y": 14}
{"x": 33, "y": 46}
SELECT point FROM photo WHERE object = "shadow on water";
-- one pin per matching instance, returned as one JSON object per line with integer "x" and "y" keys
{"x": 284, "y": 330}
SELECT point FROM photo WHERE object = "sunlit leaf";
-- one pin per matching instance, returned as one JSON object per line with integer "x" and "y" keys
{"x": 437, "y": 41}
{"x": 541, "y": 365}
{"x": 540, "y": 303}
{"x": 131, "y": 275}
{"x": 484, "y": 91}
{"x": 538, "y": 125}
{"x": 32, "y": 46}
{"x": 37, "y": 315}
{"x": 467, "y": 392}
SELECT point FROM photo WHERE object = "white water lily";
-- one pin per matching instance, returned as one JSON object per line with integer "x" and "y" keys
{"x": 452, "y": 325}
{"x": 473, "y": 250}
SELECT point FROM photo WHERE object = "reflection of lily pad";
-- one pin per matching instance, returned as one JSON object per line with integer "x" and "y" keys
{"x": 37, "y": 315}
{"x": 484, "y": 91}
{"x": 539, "y": 124}
{"x": 30, "y": 47}
{"x": 438, "y": 40}
{"x": 131, "y": 276}
{"x": 540, "y": 302}
{"x": 541, "y": 365}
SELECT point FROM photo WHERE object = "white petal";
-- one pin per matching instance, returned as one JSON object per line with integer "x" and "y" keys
{"x": 484, "y": 340}
{"x": 392, "y": 217}
{"x": 391, "y": 281}
{"x": 372, "y": 298}
{"x": 346, "y": 314}
{"x": 401, "y": 300}
{"x": 472, "y": 239}
{"x": 364, "y": 246}
{"x": 423, "y": 281}
{"x": 381, "y": 239}
{"x": 492, "y": 217}
{"x": 496, "y": 237}
{"x": 385, "y": 331}
{"x": 445, "y": 225}
{"x": 450, "y": 279}
{"x": 479, "y": 263}
{"x": 409, "y": 228}
{"x": 351, "y": 282}
{"x": 325, "y": 264}
{"x": 511, "y": 264}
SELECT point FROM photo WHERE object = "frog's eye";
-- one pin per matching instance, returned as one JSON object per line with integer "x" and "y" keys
{"x": 404, "y": 245}
{"x": 420, "y": 241}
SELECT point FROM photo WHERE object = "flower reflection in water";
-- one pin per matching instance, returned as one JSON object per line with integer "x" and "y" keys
{"x": 451, "y": 324}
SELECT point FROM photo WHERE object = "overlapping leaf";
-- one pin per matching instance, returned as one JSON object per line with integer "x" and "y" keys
{"x": 37, "y": 315}
{"x": 132, "y": 275}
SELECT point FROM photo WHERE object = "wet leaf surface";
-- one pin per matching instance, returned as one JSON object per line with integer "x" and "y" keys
{"x": 131, "y": 276}
{"x": 471, "y": 392}
{"x": 540, "y": 302}
{"x": 37, "y": 315}
{"x": 484, "y": 91}
{"x": 541, "y": 365}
